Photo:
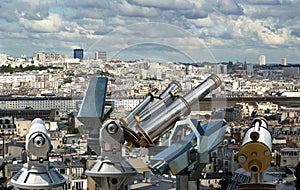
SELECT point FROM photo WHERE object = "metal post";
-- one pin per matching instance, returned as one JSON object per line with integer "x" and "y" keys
{"x": 183, "y": 183}
{"x": 3, "y": 146}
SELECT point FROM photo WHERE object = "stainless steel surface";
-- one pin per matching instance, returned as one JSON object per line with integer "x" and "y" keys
{"x": 38, "y": 172}
{"x": 186, "y": 145}
{"x": 92, "y": 110}
{"x": 111, "y": 171}
{"x": 265, "y": 136}
{"x": 255, "y": 153}
{"x": 94, "y": 99}
{"x": 39, "y": 141}
{"x": 151, "y": 106}
{"x": 173, "y": 87}
{"x": 166, "y": 98}
{"x": 111, "y": 175}
{"x": 159, "y": 124}
{"x": 140, "y": 107}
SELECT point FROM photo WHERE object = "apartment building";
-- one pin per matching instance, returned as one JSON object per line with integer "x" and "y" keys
{"x": 61, "y": 103}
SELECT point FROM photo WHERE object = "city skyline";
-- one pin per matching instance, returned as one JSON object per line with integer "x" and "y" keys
{"x": 187, "y": 31}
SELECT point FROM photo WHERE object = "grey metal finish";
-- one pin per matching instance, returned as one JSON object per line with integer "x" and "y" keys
{"x": 166, "y": 98}
{"x": 37, "y": 141}
{"x": 139, "y": 108}
{"x": 265, "y": 136}
{"x": 111, "y": 171}
{"x": 91, "y": 111}
{"x": 94, "y": 99}
{"x": 38, "y": 178}
{"x": 201, "y": 140}
{"x": 159, "y": 124}
{"x": 173, "y": 87}
{"x": 111, "y": 175}
{"x": 38, "y": 172}
{"x": 188, "y": 151}
{"x": 152, "y": 104}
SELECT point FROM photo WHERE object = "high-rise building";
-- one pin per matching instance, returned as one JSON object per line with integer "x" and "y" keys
{"x": 249, "y": 69}
{"x": 283, "y": 61}
{"x": 262, "y": 60}
{"x": 78, "y": 53}
{"x": 220, "y": 69}
{"x": 101, "y": 55}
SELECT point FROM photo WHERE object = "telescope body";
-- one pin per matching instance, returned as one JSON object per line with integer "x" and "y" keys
{"x": 151, "y": 119}
{"x": 255, "y": 154}
{"x": 159, "y": 119}
{"x": 191, "y": 150}
{"x": 38, "y": 172}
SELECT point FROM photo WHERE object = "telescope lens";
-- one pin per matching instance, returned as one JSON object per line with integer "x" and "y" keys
{"x": 254, "y": 169}
{"x": 39, "y": 141}
{"x": 112, "y": 128}
{"x": 114, "y": 181}
{"x": 254, "y": 136}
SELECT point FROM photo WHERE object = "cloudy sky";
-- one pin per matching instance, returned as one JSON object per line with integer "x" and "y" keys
{"x": 171, "y": 30}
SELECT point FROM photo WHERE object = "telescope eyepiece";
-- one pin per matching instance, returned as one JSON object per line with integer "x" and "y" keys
{"x": 254, "y": 136}
{"x": 39, "y": 141}
{"x": 112, "y": 128}
{"x": 254, "y": 168}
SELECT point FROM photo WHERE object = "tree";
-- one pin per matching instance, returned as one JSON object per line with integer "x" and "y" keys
{"x": 6, "y": 69}
{"x": 73, "y": 130}
{"x": 297, "y": 175}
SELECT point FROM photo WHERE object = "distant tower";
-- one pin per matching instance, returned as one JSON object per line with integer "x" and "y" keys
{"x": 78, "y": 53}
{"x": 283, "y": 61}
{"x": 101, "y": 55}
{"x": 262, "y": 60}
{"x": 249, "y": 69}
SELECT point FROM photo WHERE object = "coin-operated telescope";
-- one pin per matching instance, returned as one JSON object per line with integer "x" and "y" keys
{"x": 151, "y": 119}
{"x": 111, "y": 171}
{"x": 159, "y": 116}
{"x": 38, "y": 172}
{"x": 189, "y": 147}
{"x": 255, "y": 154}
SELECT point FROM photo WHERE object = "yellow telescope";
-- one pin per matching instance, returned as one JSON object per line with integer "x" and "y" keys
{"x": 255, "y": 154}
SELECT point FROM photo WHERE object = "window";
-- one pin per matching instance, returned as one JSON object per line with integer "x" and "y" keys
{"x": 78, "y": 185}
{"x": 62, "y": 171}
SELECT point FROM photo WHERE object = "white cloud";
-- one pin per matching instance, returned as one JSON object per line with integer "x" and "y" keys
{"x": 264, "y": 2}
{"x": 264, "y": 33}
{"x": 202, "y": 22}
{"x": 221, "y": 24}
{"x": 131, "y": 10}
{"x": 166, "y": 4}
{"x": 282, "y": 11}
{"x": 230, "y": 7}
{"x": 53, "y": 23}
